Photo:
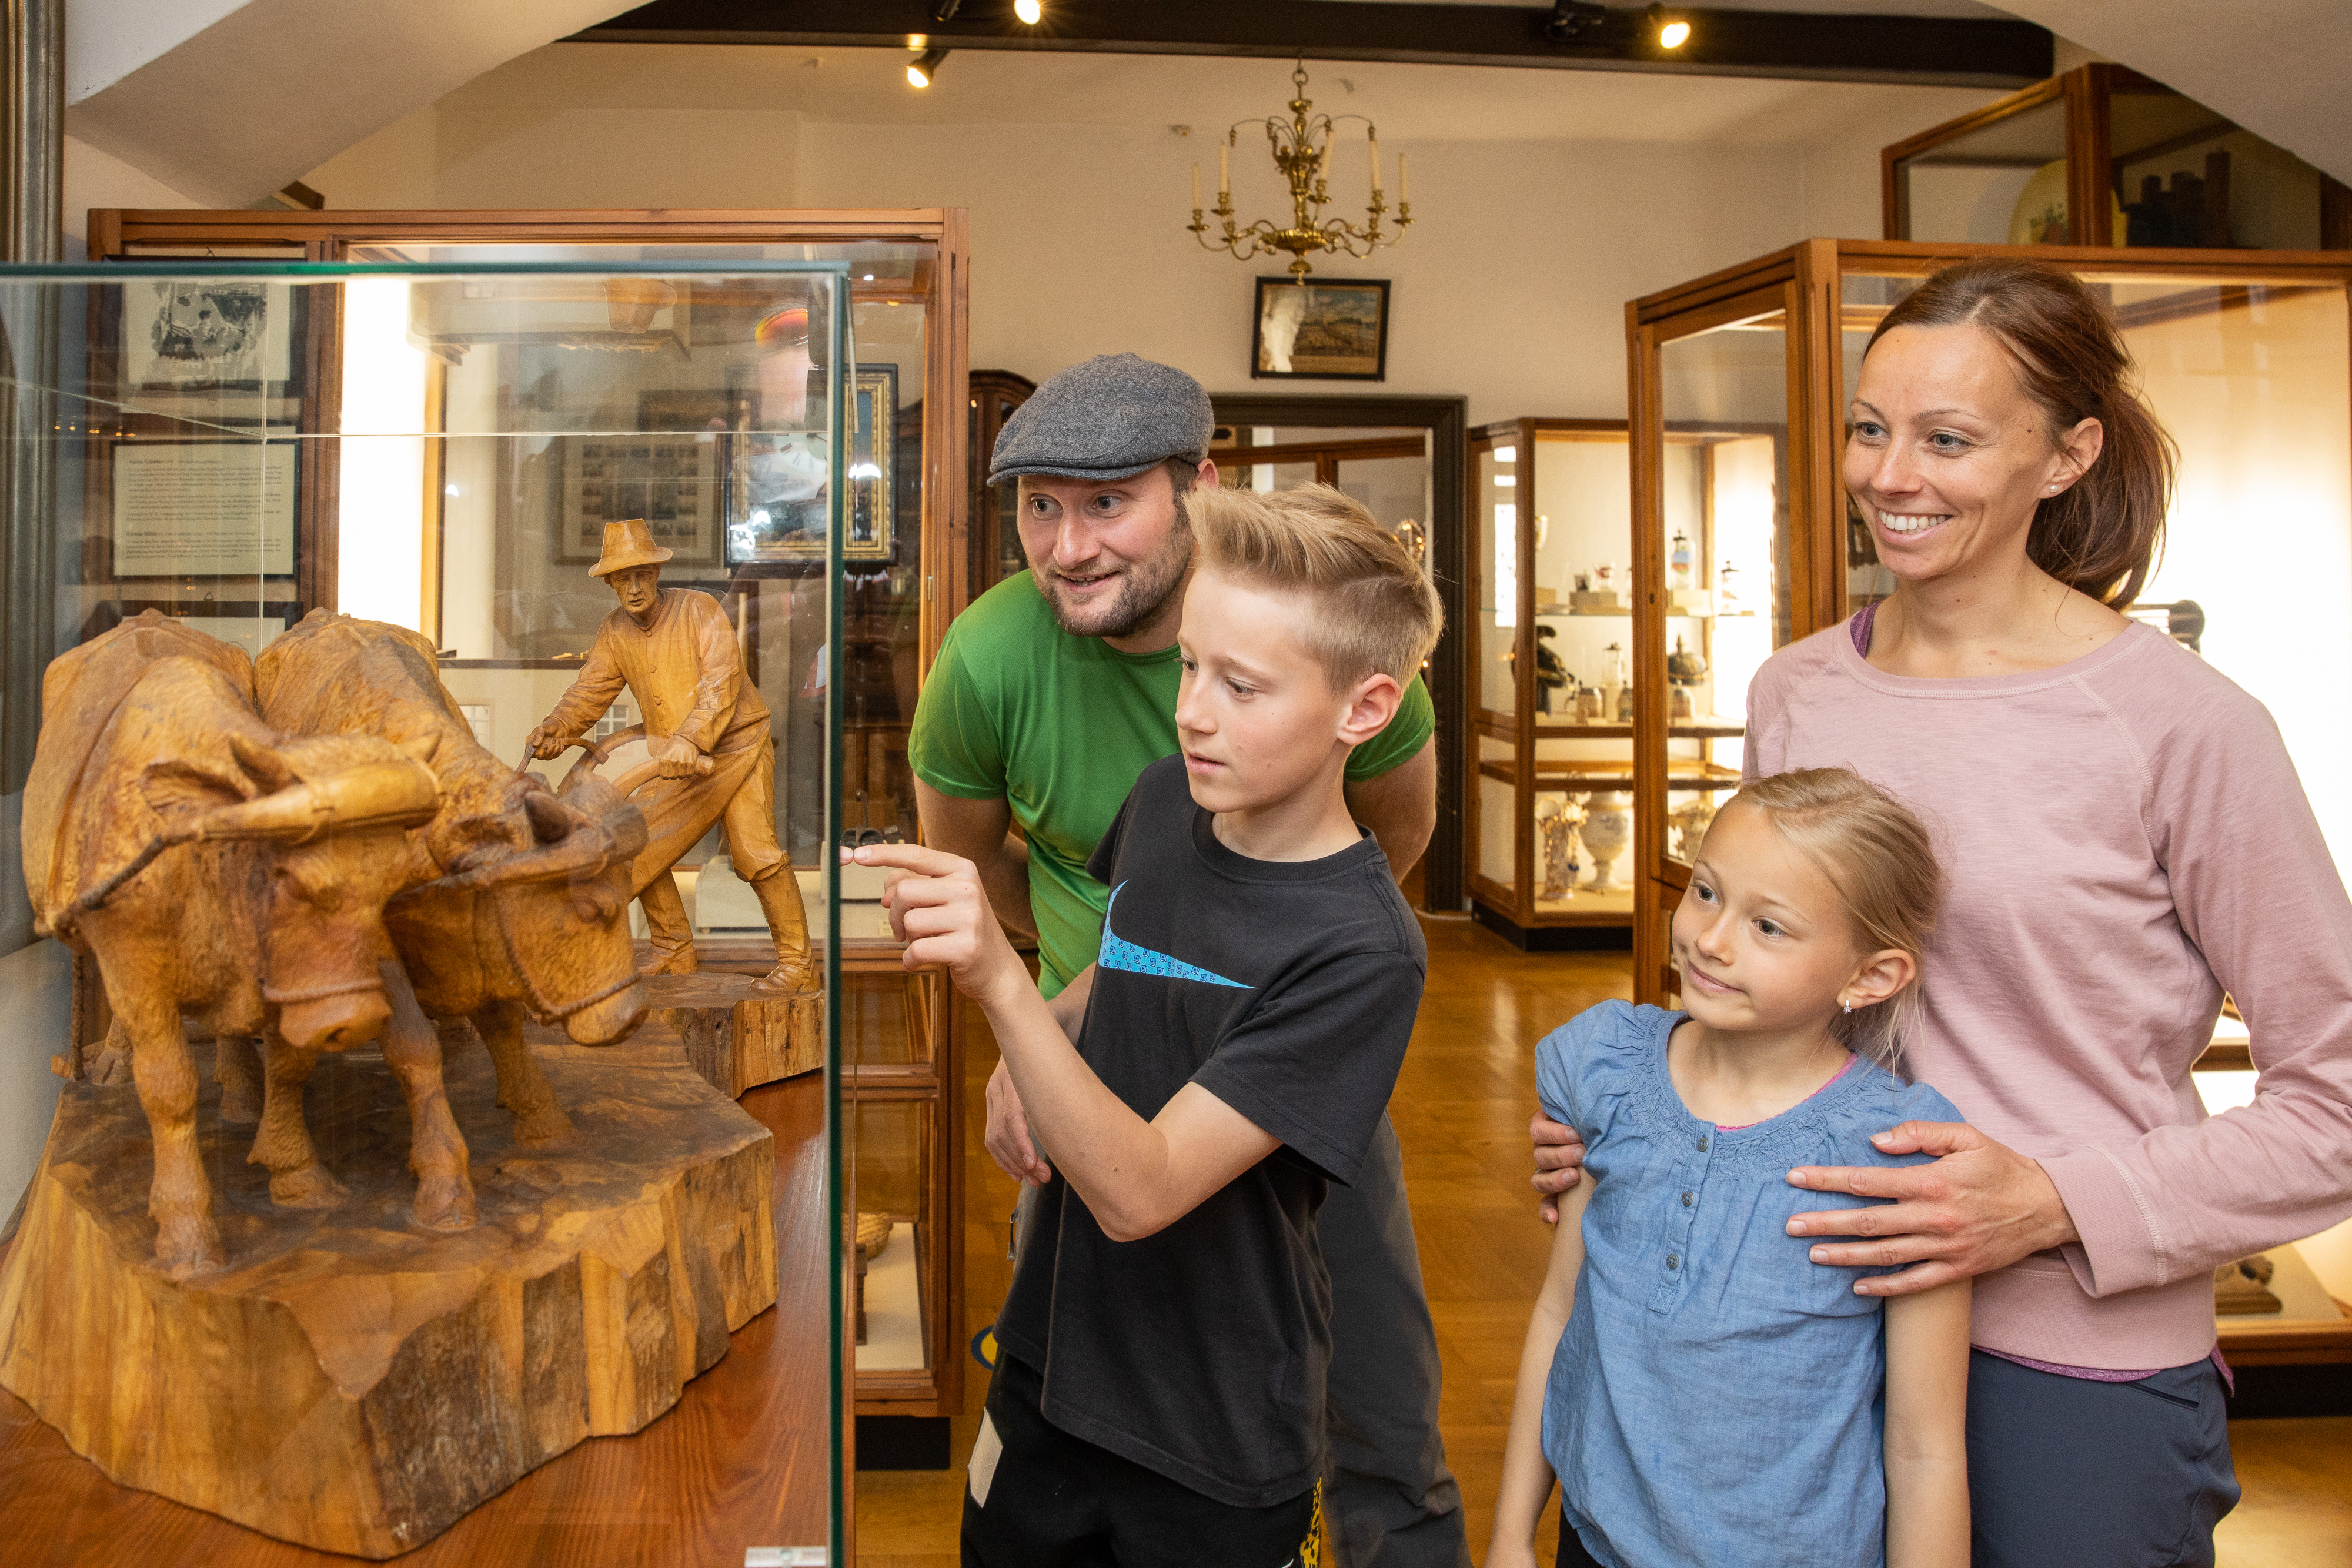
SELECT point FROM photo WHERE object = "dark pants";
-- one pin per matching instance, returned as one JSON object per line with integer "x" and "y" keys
{"x": 2096, "y": 1475}
{"x": 1053, "y": 1500}
{"x": 1572, "y": 1553}
{"x": 1388, "y": 1498}
{"x": 1388, "y": 1501}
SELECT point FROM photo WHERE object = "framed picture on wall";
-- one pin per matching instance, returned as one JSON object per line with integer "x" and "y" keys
{"x": 778, "y": 491}
{"x": 1330, "y": 330}
{"x": 673, "y": 481}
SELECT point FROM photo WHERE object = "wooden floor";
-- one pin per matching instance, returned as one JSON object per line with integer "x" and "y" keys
{"x": 1461, "y": 1111}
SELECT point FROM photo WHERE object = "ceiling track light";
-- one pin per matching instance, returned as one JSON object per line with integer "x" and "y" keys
{"x": 1030, "y": 11}
{"x": 924, "y": 66}
{"x": 1585, "y": 22}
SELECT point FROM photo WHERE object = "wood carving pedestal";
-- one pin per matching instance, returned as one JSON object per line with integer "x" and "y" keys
{"x": 736, "y": 1037}
{"x": 350, "y": 1381}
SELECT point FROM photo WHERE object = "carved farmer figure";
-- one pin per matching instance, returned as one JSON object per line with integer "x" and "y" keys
{"x": 707, "y": 729}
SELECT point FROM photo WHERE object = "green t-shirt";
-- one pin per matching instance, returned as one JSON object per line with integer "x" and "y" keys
{"x": 1062, "y": 726}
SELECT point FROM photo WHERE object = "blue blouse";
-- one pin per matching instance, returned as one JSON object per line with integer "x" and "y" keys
{"x": 1716, "y": 1398}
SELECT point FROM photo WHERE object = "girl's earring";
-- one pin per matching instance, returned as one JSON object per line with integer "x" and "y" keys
{"x": 1849, "y": 1006}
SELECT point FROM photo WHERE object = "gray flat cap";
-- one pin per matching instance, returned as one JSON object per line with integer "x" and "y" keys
{"x": 1113, "y": 416}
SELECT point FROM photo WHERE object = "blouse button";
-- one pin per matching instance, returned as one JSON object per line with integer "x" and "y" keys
{"x": 1687, "y": 1200}
{"x": 1672, "y": 1262}
{"x": 1702, "y": 1143}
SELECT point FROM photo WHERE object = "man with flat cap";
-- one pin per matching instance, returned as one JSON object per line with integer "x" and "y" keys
{"x": 706, "y": 730}
{"x": 1052, "y": 693}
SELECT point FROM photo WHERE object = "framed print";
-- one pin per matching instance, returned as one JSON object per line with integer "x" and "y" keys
{"x": 674, "y": 481}
{"x": 778, "y": 490}
{"x": 210, "y": 332}
{"x": 1325, "y": 332}
{"x": 203, "y": 508}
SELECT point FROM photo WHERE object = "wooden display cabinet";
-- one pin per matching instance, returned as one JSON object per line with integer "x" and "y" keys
{"x": 911, "y": 290}
{"x": 1738, "y": 389}
{"x": 2159, "y": 168}
{"x": 1549, "y": 655}
{"x": 995, "y": 532}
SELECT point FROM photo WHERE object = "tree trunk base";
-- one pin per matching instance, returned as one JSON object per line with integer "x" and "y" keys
{"x": 735, "y": 1037}
{"x": 351, "y": 1381}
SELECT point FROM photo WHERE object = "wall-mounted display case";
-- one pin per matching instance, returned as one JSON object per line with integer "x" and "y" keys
{"x": 1740, "y": 383}
{"x": 395, "y": 1330}
{"x": 2148, "y": 167}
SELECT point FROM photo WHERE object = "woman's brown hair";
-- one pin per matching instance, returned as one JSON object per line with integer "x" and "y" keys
{"x": 2101, "y": 534}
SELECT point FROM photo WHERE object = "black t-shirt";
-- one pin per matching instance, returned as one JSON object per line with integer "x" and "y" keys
{"x": 1286, "y": 989}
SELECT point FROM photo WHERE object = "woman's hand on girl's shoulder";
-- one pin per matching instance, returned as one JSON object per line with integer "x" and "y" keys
{"x": 1976, "y": 1206}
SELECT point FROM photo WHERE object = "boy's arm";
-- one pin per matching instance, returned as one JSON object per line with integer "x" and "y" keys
{"x": 1138, "y": 1178}
{"x": 1527, "y": 1473}
{"x": 1927, "y": 1428}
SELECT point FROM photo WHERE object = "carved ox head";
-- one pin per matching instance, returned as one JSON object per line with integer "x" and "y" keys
{"x": 555, "y": 886}
{"x": 326, "y": 814}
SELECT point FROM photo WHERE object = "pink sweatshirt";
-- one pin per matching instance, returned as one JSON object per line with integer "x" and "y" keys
{"x": 2124, "y": 838}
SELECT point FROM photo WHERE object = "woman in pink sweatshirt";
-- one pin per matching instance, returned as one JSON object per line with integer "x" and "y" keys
{"x": 2126, "y": 840}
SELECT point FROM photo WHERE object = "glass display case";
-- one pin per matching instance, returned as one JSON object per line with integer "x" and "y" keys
{"x": 300, "y": 570}
{"x": 1740, "y": 386}
{"x": 910, "y": 563}
{"x": 1550, "y": 812}
{"x": 2157, "y": 170}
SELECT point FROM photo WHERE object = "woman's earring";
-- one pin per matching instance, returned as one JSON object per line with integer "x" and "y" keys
{"x": 1849, "y": 1006}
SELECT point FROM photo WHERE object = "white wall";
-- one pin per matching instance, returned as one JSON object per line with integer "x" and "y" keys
{"x": 1510, "y": 288}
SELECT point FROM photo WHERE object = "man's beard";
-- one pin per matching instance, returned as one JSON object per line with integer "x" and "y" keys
{"x": 1149, "y": 585}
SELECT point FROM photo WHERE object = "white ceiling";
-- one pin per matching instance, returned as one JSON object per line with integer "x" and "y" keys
{"x": 274, "y": 88}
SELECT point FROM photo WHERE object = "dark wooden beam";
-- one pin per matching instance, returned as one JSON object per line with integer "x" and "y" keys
{"x": 1933, "y": 50}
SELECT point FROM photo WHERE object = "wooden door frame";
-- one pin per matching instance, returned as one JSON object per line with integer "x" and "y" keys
{"x": 1445, "y": 880}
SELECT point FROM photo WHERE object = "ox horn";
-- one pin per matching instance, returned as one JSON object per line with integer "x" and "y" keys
{"x": 401, "y": 794}
{"x": 579, "y": 851}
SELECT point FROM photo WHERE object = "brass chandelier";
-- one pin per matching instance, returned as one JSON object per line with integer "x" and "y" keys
{"x": 1301, "y": 145}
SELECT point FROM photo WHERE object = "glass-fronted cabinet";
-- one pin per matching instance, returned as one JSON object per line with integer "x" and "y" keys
{"x": 2150, "y": 167}
{"x": 1740, "y": 388}
{"x": 675, "y": 429}
{"x": 342, "y": 599}
{"x": 1550, "y": 651}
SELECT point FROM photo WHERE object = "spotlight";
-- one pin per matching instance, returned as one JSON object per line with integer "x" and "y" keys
{"x": 1573, "y": 21}
{"x": 1672, "y": 32}
{"x": 924, "y": 66}
{"x": 1030, "y": 11}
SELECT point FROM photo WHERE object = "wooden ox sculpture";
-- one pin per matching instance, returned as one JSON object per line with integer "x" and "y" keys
{"x": 213, "y": 868}
{"x": 516, "y": 894}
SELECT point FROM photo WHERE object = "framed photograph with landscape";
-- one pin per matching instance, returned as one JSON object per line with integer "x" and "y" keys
{"x": 1329, "y": 330}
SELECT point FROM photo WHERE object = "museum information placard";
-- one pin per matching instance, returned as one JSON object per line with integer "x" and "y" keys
{"x": 207, "y": 510}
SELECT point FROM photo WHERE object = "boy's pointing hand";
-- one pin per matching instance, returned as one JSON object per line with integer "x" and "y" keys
{"x": 941, "y": 910}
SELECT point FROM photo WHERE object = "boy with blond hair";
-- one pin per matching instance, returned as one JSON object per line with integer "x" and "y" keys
{"x": 1159, "y": 1387}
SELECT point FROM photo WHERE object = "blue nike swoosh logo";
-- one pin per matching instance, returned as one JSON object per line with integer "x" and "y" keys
{"x": 1117, "y": 953}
